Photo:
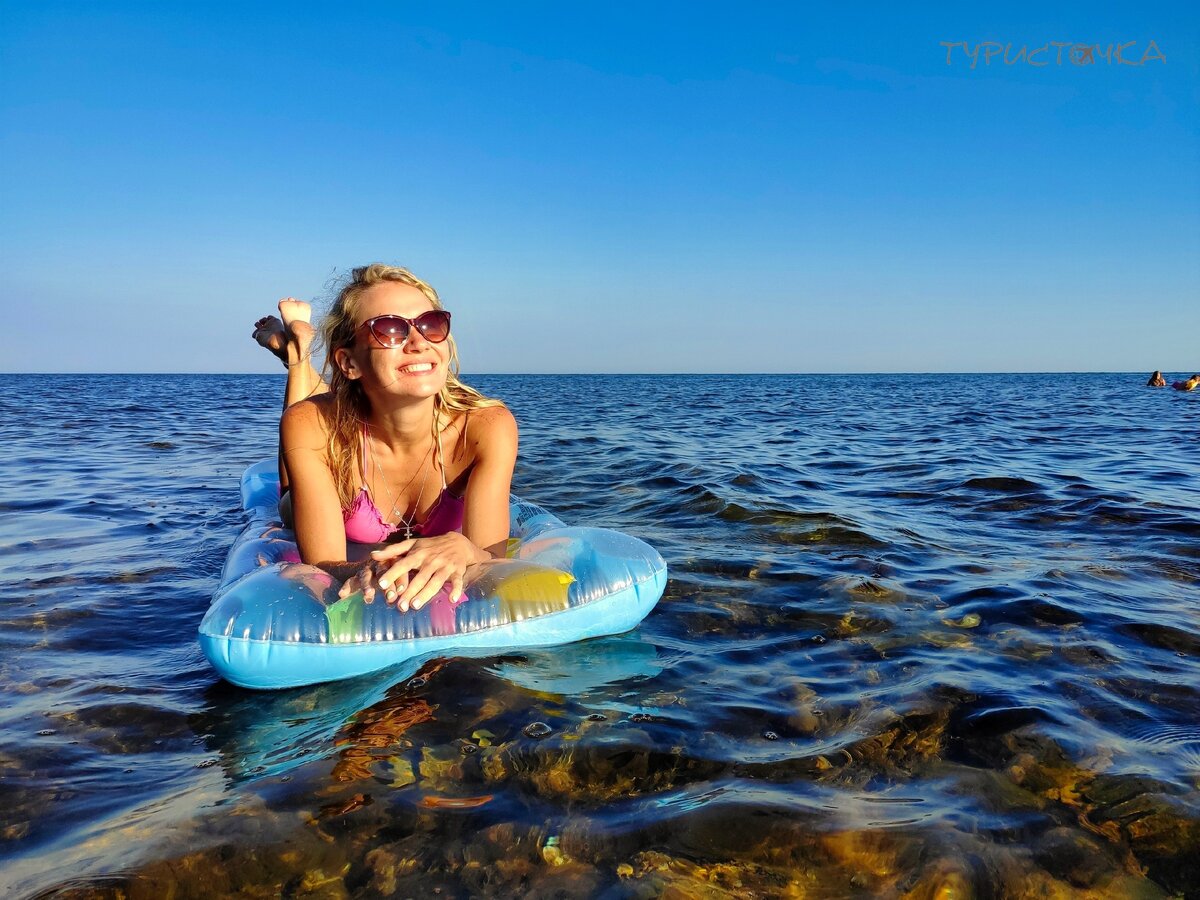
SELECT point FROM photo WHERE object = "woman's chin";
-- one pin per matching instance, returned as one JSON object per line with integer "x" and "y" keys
{"x": 418, "y": 387}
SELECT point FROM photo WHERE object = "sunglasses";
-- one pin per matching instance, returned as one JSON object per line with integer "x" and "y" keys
{"x": 393, "y": 331}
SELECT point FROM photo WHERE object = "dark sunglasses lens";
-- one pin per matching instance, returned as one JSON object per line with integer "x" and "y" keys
{"x": 391, "y": 330}
{"x": 434, "y": 325}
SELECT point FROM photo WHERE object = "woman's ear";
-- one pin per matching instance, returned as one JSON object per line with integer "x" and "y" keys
{"x": 345, "y": 361}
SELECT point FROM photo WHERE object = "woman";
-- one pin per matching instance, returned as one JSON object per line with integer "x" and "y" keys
{"x": 1156, "y": 380}
{"x": 398, "y": 473}
{"x": 1190, "y": 385}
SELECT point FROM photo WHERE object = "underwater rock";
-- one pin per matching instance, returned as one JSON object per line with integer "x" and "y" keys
{"x": 656, "y": 874}
{"x": 970, "y": 620}
{"x": 805, "y": 717}
{"x": 1074, "y": 856}
{"x": 902, "y": 742}
{"x": 875, "y": 858}
{"x": 386, "y": 865}
{"x": 1159, "y": 822}
{"x": 947, "y": 879}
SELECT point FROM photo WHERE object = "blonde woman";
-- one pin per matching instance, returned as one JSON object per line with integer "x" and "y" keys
{"x": 397, "y": 474}
{"x": 1190, "y": 385}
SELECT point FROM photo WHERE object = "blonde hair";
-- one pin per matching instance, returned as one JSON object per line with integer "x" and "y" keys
{"x": 350, "y": 406}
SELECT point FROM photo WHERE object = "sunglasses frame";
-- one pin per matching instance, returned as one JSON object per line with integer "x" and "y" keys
{"x": 384, "y": 341}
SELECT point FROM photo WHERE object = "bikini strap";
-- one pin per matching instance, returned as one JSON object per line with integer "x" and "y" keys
{"x": 365, "y": 438}
{"x": 441, "y": 462}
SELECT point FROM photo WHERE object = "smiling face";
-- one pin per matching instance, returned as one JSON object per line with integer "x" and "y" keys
{"x": 416, "y": 368}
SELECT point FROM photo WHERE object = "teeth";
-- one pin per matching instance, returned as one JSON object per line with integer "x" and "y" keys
{"x": 419, "y": 367}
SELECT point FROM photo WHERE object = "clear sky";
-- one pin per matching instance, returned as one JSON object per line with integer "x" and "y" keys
{"x": 606, "y": 187}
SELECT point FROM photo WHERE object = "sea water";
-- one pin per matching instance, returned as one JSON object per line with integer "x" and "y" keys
{"x": 922, "y": 633}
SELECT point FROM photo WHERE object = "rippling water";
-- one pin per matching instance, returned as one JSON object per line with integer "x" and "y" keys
{"x": 923, "y": 634}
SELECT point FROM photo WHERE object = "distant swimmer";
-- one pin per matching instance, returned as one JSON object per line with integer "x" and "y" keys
{"x": 1190, "y": 385}
{"x": 1157, "y": 380}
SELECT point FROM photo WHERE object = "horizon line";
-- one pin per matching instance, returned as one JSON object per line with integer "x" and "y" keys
{"x": 665, "y": 374}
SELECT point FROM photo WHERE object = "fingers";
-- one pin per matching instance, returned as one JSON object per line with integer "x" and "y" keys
{"x": 349, "y": 586}
{"x": 410, "y": 573}
{"x": 415, "y": 583}
{"x": 355, "y": 585}
{"x": 438, "y": 582}
{"x": 394, "y": 582}
{"x": 394, "y": 579}
{"x": 365, "y": 580}
{"x": 366, "y": 583}
{"x": 393, "y": 551}
{"x": 421, "y": 594}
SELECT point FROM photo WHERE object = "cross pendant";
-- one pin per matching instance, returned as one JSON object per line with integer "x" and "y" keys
{"x": 399, "y": 513}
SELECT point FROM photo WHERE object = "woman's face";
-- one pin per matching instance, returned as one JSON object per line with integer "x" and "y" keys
{"x": 417, "y": 367}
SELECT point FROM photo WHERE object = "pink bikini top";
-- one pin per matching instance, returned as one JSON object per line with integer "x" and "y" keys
{"x": 365, "y": 525}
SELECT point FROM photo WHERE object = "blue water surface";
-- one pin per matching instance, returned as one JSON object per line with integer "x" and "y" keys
{"x": 922, "y": 632}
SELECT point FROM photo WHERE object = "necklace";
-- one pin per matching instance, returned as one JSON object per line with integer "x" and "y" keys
{"x": 407, "y": 523}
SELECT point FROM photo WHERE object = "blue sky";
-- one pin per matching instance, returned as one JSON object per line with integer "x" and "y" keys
{"x": 616, "y": 187}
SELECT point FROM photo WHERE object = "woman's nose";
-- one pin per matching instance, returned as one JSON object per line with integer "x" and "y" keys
{"x": 415, "y": 340}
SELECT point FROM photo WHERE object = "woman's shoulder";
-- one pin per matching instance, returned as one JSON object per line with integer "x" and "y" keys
{"x": 479, "y": 430}
{"x": 490, "y": 423}
{"x": 311, "y": 416}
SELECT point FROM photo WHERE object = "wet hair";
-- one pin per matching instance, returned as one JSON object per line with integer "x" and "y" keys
{"x": 350, "y": 405}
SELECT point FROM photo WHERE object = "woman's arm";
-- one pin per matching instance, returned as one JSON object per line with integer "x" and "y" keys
{"x": 485, "y": 517}
{"x": 320, "y": 529}
{"x": 419, "y": 567}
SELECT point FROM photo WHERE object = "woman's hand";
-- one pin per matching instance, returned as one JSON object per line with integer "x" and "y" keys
{"x": 410, "y": 573}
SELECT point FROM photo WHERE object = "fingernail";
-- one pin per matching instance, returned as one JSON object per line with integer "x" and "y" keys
{"x": 383, "y": 582}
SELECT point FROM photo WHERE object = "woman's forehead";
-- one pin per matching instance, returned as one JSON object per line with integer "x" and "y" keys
{"x": 392, "y": 297}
